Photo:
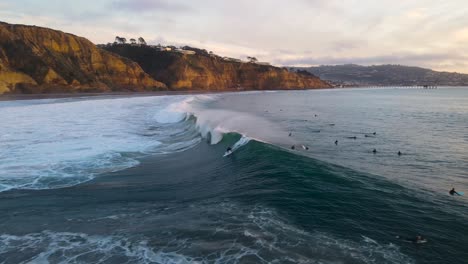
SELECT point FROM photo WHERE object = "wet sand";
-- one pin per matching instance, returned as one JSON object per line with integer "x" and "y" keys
{"x": 13, "y": 97}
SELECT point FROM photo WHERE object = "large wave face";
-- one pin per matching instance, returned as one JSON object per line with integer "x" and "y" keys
{"x": 61, "y": 142}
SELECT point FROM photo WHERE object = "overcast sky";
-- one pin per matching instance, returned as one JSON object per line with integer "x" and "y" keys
{"x": 428, "y": 33}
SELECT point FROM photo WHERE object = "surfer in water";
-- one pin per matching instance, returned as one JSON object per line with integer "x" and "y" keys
{"x": 374, "y": 151}
{"x": 228, "y": 150}
{"x": 416, "y": 240}
{"x": 336, "y": 142}
{"x": 399, "y": 153}
{"x": 419, "y": 240}
{"x": 453, "y": 192}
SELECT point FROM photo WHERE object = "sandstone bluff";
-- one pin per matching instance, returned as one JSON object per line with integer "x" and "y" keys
{"x": 211, "y": 72}
{"x": 40, "y": 60}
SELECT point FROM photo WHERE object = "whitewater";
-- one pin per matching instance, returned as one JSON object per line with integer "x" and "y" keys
{"x": 56, "y": 143}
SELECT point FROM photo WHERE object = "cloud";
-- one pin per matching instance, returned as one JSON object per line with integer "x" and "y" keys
{"x": 417, "y": 14}
{"x": 298, "y": 32}
{"x": 345, "y": 45}
{"x": 148, "y": 5}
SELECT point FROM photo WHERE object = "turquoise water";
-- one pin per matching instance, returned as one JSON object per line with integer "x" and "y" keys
{"x": 149, "y": 184}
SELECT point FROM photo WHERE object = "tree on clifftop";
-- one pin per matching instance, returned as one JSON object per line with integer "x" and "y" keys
{"x": 141, "y": 41}
{"x": 252, "y": 59}
{"x": 120, "y": 40}
{"x": 132, "y": 41}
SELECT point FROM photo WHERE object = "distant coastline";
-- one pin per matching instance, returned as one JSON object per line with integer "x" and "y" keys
{"x": 352, "y": 75}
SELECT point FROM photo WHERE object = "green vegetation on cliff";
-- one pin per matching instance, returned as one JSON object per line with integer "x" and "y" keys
{"x": 205, "y": 71}
{"x": 41, "y": 60}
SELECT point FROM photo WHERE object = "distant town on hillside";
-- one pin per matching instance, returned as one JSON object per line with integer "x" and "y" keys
{"x": 351, "y": 75}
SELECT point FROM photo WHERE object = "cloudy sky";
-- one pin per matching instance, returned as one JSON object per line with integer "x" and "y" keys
{"x": 428, "y": 33}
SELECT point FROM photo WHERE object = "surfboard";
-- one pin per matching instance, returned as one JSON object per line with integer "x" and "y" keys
{"x": 227, "y": 153}
{"x": 461, "y": 193}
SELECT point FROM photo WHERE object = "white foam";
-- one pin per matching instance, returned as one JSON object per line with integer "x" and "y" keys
{"x": 214, "y": 123}
{"x": 63, "y": 247}
{"x": 63, "y": 142}
{"x": 227, "y": 233}
{"x": 240, "y": 143}
{"x": 174, "y": 113}
{"x": 273, "y": 234}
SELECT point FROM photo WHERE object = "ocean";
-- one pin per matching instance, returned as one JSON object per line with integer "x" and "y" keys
{"x": 123, "y": 179}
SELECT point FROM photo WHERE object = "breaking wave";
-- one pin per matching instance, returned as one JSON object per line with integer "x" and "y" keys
{"x": 62, "y": 142}
{"x": 56, "y": 143}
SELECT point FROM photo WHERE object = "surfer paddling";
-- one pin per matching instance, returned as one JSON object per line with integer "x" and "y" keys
{"x": 416, "y": 240}
{"x": 453, "y": 192}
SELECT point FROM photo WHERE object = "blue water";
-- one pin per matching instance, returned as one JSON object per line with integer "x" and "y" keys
{"x": 428, "y": 127}
{"x": 143, "y": 180}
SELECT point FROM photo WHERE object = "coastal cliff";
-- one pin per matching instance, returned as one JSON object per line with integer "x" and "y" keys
{"x": 41, "y": 60}
{"x": 210, "y": 72}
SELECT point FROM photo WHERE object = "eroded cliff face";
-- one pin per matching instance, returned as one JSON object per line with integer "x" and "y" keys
{"x": 204, "y": 72}
{"x": 40, "y": 60}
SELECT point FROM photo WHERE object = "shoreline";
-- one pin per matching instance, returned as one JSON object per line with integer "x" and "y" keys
{"x": 18, "y": 97}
